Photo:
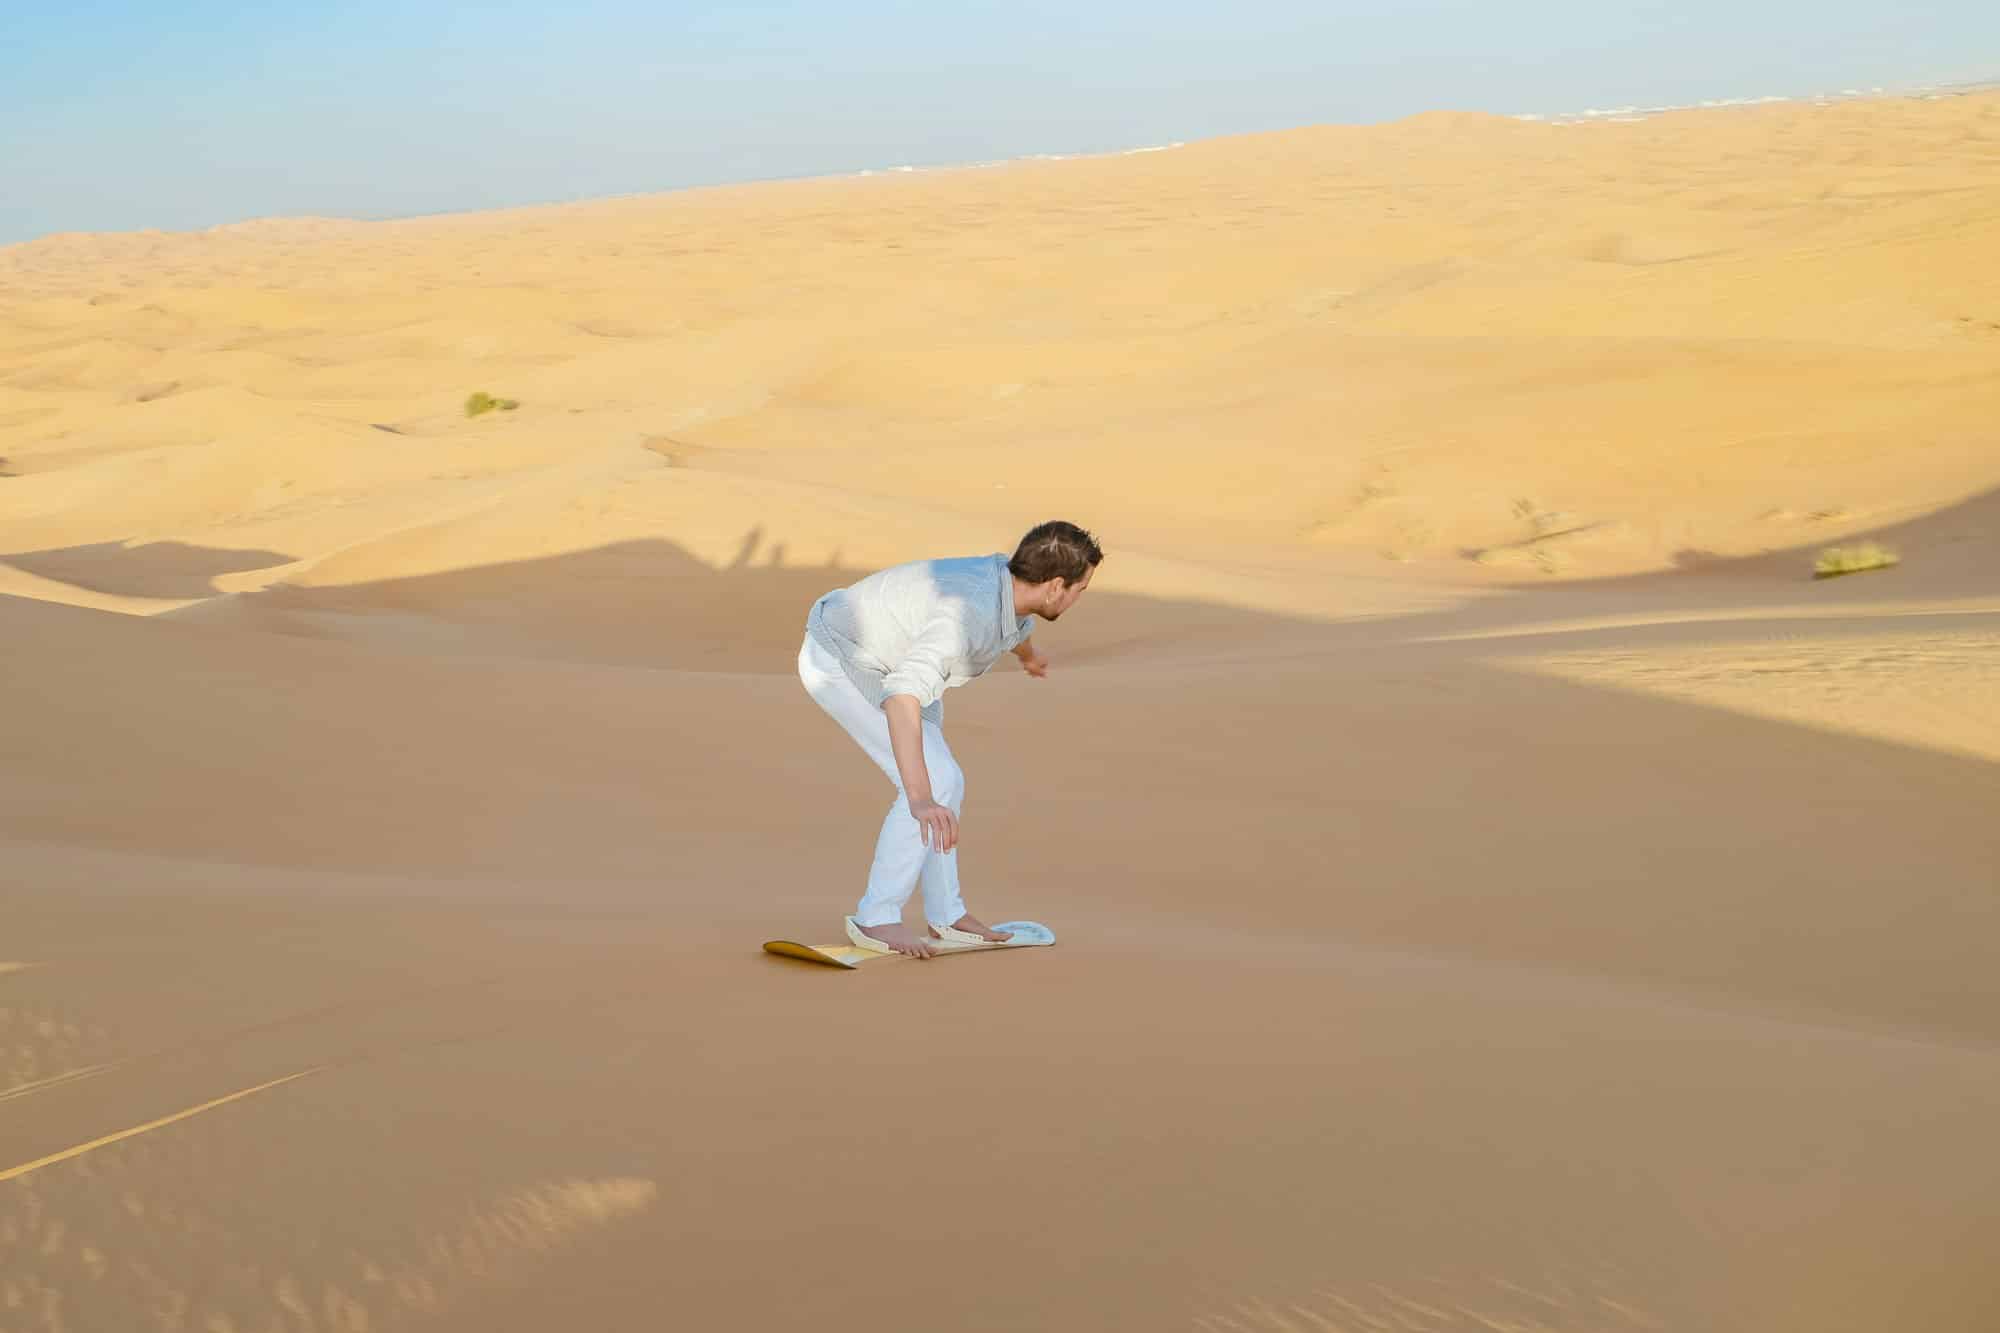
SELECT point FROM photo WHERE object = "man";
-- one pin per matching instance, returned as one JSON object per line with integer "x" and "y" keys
{"x": 878, "y": 657}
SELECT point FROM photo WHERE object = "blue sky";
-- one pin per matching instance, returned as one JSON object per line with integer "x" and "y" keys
{"x": 121, "y": 116}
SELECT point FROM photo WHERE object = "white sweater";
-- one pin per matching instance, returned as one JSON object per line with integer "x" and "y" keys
{"x": 921, "y": 628}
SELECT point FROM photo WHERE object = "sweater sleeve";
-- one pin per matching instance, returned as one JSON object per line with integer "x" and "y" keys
{"x": 928, "y": 663}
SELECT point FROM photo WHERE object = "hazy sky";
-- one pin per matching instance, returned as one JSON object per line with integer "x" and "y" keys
{"x": 117, "y": 116}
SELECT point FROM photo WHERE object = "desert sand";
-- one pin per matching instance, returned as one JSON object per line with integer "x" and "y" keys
{"x": 1498, "y": 887}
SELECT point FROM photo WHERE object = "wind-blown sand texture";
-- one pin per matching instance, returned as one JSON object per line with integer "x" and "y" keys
{"x": 1499, "y": 888}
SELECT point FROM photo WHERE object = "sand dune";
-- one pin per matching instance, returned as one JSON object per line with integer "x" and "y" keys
{"x": 1498, "y": 888}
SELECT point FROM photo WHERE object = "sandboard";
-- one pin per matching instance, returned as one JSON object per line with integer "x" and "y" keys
{"x": 1026, "y": 935}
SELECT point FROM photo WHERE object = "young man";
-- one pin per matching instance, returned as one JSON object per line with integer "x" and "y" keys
{"x": 878, "y": 657}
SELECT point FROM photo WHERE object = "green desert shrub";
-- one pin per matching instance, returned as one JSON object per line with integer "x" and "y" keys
{"x": 1853, "y": 559}
{"x": 486, "y": 402}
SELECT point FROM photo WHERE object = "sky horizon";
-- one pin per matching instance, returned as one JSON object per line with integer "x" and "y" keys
{"x": 128, "y": 118}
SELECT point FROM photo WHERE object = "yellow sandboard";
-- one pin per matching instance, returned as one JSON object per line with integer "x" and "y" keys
{"x": 1026, "y": 935}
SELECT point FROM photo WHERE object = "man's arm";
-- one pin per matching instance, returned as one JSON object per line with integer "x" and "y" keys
{"x": 1036, "y": 664}
{"x": 906, "y": 738}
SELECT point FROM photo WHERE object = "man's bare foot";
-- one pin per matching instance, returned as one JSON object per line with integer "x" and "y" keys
{"x": 972, "y": 925}
{"x": 898, "y": 937}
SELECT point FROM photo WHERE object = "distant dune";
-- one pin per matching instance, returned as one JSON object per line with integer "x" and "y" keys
{"x": 1439, "y": 337}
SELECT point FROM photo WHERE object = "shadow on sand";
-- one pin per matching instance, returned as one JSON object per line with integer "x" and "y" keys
{"x": 154, "y": 569}
{"x": 1430, "y": 797}
{"x": 654, "y": 604}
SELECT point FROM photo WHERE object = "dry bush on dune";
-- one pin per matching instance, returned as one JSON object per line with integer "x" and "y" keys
{"x": 1854, "y": 559}
{"x": 486, "y": 402}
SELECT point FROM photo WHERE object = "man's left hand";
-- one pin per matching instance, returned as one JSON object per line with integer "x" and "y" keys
{"x": 1035, "y": 664}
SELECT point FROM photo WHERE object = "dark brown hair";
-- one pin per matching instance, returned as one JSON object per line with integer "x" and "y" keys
{"x": 1055, "y": 550}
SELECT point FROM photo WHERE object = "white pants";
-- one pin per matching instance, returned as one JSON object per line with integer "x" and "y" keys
{"x": 901, "y": 858}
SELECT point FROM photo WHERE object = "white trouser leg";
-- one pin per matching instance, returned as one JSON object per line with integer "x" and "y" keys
{"x": 901, "y": 858}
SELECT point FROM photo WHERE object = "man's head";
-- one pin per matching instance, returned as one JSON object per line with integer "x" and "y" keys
{"x": 1054, "y": 562}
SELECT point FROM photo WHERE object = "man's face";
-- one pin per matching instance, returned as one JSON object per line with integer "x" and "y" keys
{"x": 1062, "y": 596}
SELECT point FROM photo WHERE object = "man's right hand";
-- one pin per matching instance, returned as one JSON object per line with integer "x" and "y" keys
{"x": 937, "y": 825}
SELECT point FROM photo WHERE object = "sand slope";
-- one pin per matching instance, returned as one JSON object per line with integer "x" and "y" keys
{"x": 1709, "y": 332}
{"x": 1498, "y": 889}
